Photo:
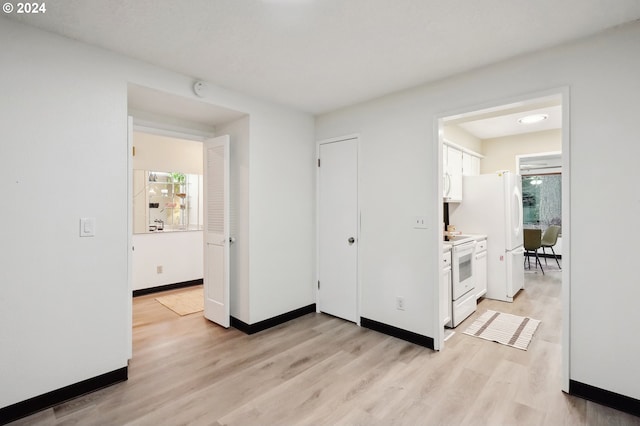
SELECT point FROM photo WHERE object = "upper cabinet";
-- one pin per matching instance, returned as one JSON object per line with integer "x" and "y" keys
{"x": 457, "y": 162}
{"x": 452, "y": 169}
{"x": 470, "y": 164}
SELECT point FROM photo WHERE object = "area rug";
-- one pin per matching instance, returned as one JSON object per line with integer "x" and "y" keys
{"x": 510, "y": 330}
{"x": 184, "y": 303}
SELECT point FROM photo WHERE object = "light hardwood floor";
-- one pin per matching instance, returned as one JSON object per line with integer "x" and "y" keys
{"x": 320, "y": 370}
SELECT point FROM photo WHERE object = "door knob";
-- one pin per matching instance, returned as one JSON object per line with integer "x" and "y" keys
{"x": 351, "y": 240}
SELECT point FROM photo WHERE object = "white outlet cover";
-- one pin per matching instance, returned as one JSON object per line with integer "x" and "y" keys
{"x": 420, "y": 222}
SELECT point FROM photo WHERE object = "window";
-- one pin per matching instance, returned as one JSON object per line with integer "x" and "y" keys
{"x": 542, "y": 200}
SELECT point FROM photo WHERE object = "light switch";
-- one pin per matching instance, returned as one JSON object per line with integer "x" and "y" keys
{"x": 87, "y": 226}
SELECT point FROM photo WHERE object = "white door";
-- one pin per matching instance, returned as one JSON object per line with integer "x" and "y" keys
{"x": 338, "y": 229}
{"x": 216, "y": 230}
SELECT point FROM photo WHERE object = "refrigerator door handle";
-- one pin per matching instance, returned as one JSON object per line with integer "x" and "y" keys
{"x": 517, "y": 227}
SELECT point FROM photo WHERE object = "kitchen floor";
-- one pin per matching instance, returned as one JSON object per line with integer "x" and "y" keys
{"x": 318, "y": 369}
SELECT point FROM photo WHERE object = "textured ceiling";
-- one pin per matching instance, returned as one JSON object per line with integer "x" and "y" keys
{"x": 319, "y": 55}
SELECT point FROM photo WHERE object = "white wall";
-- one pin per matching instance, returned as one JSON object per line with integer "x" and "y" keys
{"x": 460, "y": 136}
{"x": 399, "y": 168}
{"x": 167, "y": 154}
{"x": 63, "y": 308}
{"x": 282, "y": 201}
{"x": 179, "y": 253}
{"x": 500, "y": 153}
{"x": 273, "y": 210}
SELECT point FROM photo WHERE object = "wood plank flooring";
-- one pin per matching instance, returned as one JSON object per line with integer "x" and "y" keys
{"x": 320, "y": 370}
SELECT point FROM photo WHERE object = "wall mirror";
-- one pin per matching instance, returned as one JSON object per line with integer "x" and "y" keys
{"x": 166, "y": 201}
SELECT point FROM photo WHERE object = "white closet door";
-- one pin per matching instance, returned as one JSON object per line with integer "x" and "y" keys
{"x": 216, "y": 230}
{"x": 338, "y": 229}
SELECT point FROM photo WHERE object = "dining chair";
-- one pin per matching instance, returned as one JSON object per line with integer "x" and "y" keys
{"x": 549, "y": 239}
{"x": 532, "y": 242}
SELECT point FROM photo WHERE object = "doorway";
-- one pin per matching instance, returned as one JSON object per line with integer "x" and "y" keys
{"x": 195, "y": 121}
{"x": 470, "y": 121}
{"x": 337, "y": 292}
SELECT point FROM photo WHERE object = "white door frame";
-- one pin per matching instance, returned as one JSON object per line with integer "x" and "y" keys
{"x": 358, "y": 266}
{"x": 436, "y": 163}
{"x": 519, "y": 159}
{"x": 129, "y": 322}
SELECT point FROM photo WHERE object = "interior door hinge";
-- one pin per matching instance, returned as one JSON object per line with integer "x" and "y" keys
{"x": 318, "y": 284}
{"x": 318, "y": 162}
{"x": 133, "y": 151}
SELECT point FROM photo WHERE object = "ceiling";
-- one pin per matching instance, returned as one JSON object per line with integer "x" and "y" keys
{"x": 158, "y": 107}
{"x": 507, "y": 125}
{"x": 502, "y": 120}
{"x": 320, "y": 55}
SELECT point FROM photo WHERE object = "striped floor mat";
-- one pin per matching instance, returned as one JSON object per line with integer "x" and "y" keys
{"x": 510, "y": 330}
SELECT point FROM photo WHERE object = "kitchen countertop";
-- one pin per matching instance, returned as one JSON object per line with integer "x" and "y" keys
{"x": 448, "y": 245}
{"x": 461, "y": 237}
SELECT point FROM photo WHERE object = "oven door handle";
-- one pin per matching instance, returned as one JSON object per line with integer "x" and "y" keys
{"x": 464, "y": 249}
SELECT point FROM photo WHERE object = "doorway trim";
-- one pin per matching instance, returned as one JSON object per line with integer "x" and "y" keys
{"x": 519, "y": 158}
{"x": 355, "y": 136}
{"x": 564, "y": 93}
{"x": 129, "y": 331}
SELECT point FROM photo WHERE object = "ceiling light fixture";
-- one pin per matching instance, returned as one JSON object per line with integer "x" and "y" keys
{"x": 531, "y": 119}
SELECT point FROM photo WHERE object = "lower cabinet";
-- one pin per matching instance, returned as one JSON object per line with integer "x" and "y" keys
{"x": 481, "y": 269}
{"x": 445, "y": 290}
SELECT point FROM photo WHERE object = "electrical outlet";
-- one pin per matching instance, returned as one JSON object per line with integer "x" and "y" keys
{"x": 420, "y": 222}
{"x": 400, "y": 303}
{"x": 159, "y": 269}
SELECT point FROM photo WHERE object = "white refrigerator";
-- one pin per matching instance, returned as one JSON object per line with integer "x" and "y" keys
{"x": 492, "y": 205}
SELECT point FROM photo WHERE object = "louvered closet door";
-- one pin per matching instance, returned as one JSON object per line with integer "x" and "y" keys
{"x": 216, "y": 230}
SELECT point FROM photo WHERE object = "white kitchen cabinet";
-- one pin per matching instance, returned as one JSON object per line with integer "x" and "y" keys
{"x": 470, "y": 164}
{"x": 445, "y": 289}
{"x": 457, "y": 162}
{"x": 480, "y": 261}
{"x": 452, "y": 170}
{"x": 446, "y": 182}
